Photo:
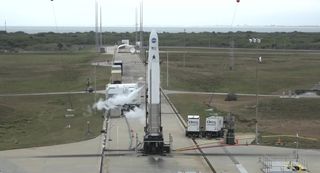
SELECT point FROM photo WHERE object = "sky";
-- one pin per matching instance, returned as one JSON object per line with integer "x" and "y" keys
{"x": 166, "y": 13}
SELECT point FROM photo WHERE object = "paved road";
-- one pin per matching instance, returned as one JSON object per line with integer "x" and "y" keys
{"x": 80, "y": 157}
{"x": 211, "y": 50}
{"x": 216, "y": 93}
{"x": 314, "y": 96}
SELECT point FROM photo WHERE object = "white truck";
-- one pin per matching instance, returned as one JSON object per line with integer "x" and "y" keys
{"x": 214, "y": 127}
{"x": 193, "y": 126}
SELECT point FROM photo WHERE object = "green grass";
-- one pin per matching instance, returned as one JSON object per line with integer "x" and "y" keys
{"x": 49, "y": 72}
{"x": 208, "y": 70}
{"x": 40, "y": 120}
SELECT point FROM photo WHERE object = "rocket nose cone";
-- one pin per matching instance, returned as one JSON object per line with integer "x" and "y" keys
{"x": 154, "y": 33}
{"x": 153, "y": 37}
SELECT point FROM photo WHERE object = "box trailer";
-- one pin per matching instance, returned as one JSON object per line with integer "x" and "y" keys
{"x": 117, "y": 67}
{"x": 116, "y": 77}
{"x": 119, "y": 62}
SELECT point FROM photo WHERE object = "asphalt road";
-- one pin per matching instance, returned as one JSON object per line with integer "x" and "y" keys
{"x": 217, "y": 93}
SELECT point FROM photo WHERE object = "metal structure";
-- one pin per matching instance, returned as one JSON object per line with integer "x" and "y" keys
{"x": 283, "y": 165}
{"x": 153, "y": 139}
{"x": 141, "y": 31}
{"x": 230, "y": 136}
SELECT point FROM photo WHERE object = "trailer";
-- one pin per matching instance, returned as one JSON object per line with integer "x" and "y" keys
{"x": 116, "y": 77}
{"x": 214, "y": 127}
{"x": 118, "y": 62}
{"x": 193, "y": 126}
{"x": 117, "y": 67}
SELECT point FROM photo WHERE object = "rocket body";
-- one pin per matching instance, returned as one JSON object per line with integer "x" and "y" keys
{"x": 153, "y": 102}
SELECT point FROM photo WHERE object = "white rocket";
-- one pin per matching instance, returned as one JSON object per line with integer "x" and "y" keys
{"x": 153, "y": 139}
{"x": 154, "y": 116}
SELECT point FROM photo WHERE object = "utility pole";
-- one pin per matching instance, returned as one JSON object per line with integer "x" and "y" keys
{"x": 257, "y": 103}
{"x": 184, "y": 41}
{"x": 5, "y": 25}
{"x": 95, "y": 85}
{"x": 96, "y": 27}
{"x": 297, "y": 148}
{"x": 100, "y": 43}
{"x": 136, "y": 26}
{"x": 256, "y": 41}
{"x": 167, "y": 69}
{"x": 141, "y": 30}
{"x": 231, "y": 65}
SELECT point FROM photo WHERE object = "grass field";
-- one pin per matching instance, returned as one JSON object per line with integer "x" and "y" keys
{"x": 49, "y": 72}
{"x": 40, "y": 120}
{"x": 208, "y": 70}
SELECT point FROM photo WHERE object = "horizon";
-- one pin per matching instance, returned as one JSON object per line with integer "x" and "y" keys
{"x": 165, "y": 26}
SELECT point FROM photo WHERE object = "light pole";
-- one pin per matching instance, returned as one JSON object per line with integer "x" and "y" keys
{"x": 88, "y": 128}
{"x": 184, "y": 41}
{"x": 256, "y": 41}
{"x": 167, "y": 69}
{"x": 297, "y": 147}
{"x": 95, "y": 86}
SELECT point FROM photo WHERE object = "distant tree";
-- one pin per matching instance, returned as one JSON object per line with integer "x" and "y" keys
{"x": 60, "y": 46}
{"x": 231, "y": 97}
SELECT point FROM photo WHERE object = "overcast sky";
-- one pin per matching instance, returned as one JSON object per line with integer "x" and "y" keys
{"x": 161, "y": 12}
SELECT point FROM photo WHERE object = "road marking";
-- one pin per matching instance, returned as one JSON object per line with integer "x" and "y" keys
{"x": 241, "y": 169}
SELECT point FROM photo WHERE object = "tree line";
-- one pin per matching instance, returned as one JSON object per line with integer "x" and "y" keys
{"x": 275, "y": 40}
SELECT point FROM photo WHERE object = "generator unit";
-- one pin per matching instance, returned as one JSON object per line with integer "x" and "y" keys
{"x": 214, "y": 127}
{"x": 193, "y": 126}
